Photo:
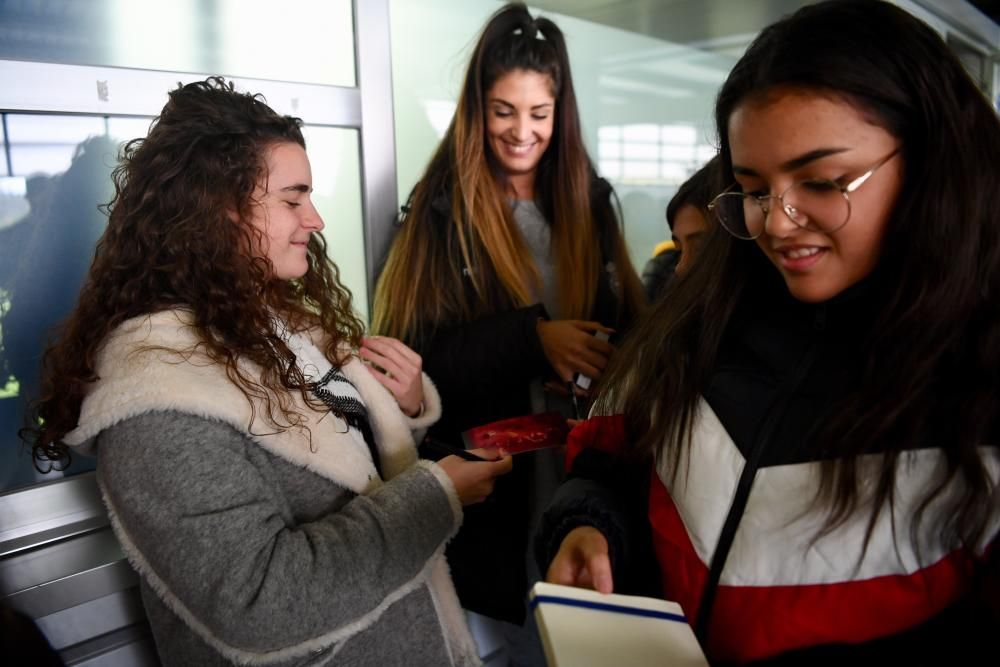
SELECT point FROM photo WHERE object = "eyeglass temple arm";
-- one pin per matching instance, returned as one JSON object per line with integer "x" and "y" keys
{"x": 860, "y": 180}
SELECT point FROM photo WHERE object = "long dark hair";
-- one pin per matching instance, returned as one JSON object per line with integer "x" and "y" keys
{"x": 178, "y": 225}
{"x": 931, "y": 364}
{"x": 480, "y": 247}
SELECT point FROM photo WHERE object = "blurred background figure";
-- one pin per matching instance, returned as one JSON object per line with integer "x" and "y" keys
{"x": 687, "y": 217}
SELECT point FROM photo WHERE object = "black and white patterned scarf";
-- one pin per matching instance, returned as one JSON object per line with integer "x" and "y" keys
{"x": 333, "y": 388}
{"x": 338, "y": 393}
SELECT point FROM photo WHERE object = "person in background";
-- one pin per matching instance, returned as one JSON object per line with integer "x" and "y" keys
{"x": 261, "y": 477}
{"x": 812, "y": 419}
{"x": 509, "y": 259}
{"x": 687, "y": 217}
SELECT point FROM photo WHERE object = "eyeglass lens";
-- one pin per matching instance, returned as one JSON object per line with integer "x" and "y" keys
{"x": 816, "y": 205}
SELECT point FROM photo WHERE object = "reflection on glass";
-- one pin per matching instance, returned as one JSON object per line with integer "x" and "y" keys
{"x": 44, "y": 256}
{"x": 46, "y": 144}
{"x": 3, "y": 146}
{"x": 50, "y": 224}
{"x": 126, "y": 129}
{"x": 310, "y": 41}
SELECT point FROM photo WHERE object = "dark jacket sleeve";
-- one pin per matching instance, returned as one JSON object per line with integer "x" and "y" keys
{"x": 504, "y": 347}
{"x": 609, "y": 494}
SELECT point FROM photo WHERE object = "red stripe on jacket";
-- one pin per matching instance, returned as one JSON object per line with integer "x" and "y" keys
{"x": 604, "y": 433}
{"x": 756, "y": 622}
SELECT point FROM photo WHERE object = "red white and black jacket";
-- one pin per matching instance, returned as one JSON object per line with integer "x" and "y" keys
{"x": 734, "y": 539}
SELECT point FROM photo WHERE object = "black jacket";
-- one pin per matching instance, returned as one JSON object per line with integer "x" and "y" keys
{"x": 781, "y": 367}
{"x": 483, "y": 370}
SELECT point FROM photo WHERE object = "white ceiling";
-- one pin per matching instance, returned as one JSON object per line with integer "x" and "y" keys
{"x": 726, "y": 26}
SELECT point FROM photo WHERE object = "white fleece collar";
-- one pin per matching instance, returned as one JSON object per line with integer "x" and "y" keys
{"x": 135, "y": 379}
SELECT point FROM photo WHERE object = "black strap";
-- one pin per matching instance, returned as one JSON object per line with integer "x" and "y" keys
{"x": 784, "y": 394}
{"x": 352, "y": 411}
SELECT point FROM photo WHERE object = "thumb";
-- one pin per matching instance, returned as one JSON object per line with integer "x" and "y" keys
{"x": 488, "y": 453}
{"x": 503, "y": 465}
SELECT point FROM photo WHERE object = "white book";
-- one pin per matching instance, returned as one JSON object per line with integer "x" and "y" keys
{"x": 584, "y": 628}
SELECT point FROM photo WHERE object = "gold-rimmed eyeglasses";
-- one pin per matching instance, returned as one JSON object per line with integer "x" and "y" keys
{"x": 814, "y": 204}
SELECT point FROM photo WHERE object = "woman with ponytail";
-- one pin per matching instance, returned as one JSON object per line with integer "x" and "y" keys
{"x": 508, "y": 260}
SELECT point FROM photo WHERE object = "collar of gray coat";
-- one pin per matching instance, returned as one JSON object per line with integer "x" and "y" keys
{"x": 151, "y": 363}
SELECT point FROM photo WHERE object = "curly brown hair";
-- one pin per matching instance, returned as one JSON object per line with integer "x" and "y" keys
{"x": 178, "y": 225}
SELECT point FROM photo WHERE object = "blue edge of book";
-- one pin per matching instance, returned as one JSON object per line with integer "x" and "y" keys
{"x": 603, "y": 606}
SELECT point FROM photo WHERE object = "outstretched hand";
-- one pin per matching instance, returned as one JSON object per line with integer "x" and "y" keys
{"x": 397, "y": 368}
{"x": 474, "y": 480}
{"x": 570, "y": 347}
{"x": 583, "y": 561}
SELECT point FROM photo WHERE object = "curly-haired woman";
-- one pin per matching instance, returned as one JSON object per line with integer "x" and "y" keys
{"x": 261, "y": 477}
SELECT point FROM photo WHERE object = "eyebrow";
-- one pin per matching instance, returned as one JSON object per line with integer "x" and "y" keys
{"x": 505, "y": 103}
{"x": 795, "y": 162}
{"x": 298, "y": 187}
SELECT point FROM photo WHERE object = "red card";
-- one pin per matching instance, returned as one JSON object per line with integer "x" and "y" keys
{"x": 519, "y": 434}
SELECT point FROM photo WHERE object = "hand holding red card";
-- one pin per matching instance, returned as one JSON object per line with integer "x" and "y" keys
{"x": 519, "y": 434}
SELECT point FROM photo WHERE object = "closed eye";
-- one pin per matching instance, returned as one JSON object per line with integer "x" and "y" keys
{"x": 820, "y": 186}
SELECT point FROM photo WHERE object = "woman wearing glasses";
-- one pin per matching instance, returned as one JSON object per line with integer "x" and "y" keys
{"x": 813, "y": 416}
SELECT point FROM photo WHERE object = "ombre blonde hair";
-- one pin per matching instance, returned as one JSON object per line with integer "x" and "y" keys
{"x": 464, "y": 182}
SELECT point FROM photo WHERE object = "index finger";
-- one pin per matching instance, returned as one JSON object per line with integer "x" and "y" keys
{"x": 500, "y": 465}
{"x": 592, "y": 327}
{"x": 394, "y": 344}
{"x": 603, "y": 347}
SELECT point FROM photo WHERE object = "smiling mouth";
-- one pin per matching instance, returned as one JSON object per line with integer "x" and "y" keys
{"x": 800, "y": 259}
{"x": 799, "y": 253}
{"x": 518, "y": 149}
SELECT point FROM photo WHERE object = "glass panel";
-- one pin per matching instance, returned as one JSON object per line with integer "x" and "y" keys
{"x": 645, "y": 103}
{"x": 50, "y": 223}
{"x": 126, "y": 129}
{"x": 635, "y": 151}
{"x": 336, "y": 166}
{"x": 3, "y": 162}
{"x": 46, "y": 144}
{"x": 308, "y": 41}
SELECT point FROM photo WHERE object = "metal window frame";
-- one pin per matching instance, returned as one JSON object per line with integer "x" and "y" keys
{"x": 367, "y": 107}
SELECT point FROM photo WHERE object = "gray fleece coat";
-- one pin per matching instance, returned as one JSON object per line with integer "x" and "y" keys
{"x": 264, "y": 545}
